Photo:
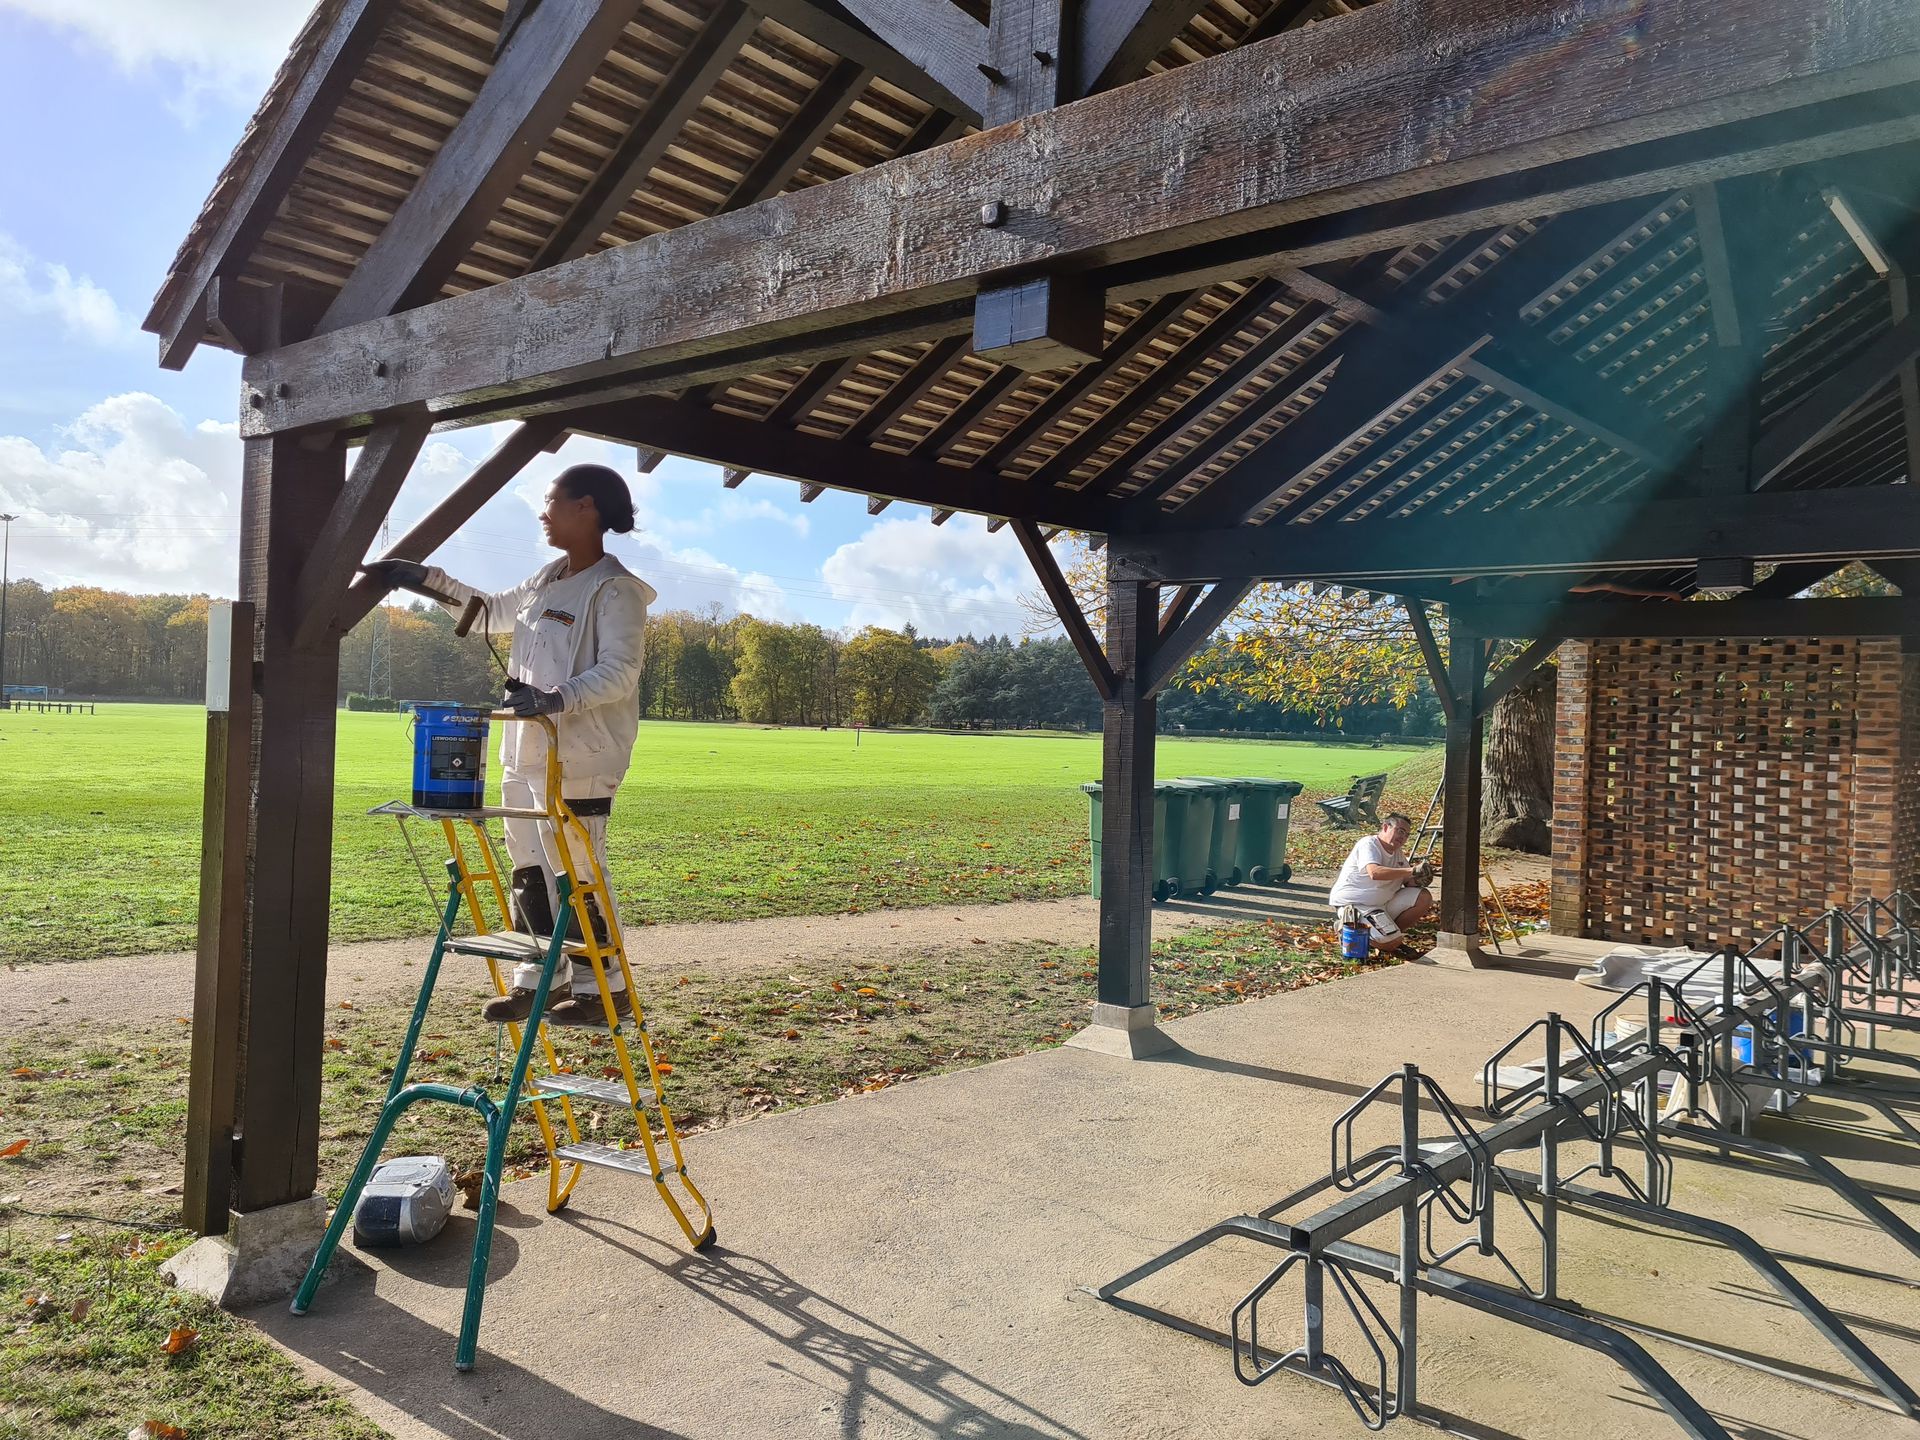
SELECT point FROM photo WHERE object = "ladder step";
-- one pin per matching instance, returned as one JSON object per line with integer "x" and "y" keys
{"x": 508, "y": 945}
{"x": 607, "y": 1092}
{"x": 634, "y": 1162}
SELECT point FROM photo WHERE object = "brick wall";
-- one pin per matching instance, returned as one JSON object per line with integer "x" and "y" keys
{"x": 1704, "y": 790}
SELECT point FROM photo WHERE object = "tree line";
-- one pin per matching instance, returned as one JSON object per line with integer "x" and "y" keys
{"x": 700, "y": 665}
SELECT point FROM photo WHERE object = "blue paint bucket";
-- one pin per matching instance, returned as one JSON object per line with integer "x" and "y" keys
{"x": 449, "y": 756}
{"x": 1354, "y": 941}
{"x": 1796, "y": 1024}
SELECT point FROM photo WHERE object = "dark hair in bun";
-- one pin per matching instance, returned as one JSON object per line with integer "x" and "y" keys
{"x": 606, "y": 489}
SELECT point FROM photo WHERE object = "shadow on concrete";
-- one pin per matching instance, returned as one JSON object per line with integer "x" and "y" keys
{"x": 1298, "y": 904}
{"x": 443, "y": 1264}
{"x": 396, "y": 1357}
{"x": 1180, "y": 1055}
{"x": 880, "y": 1379}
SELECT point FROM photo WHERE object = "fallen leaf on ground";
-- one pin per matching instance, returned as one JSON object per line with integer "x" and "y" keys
{"x": 80, "y": 1308}
{"x": 180, "y": 1339}
{"x": 156, "y": 1430}
{"x": 468, "y": 1184}
{"x": 12, "y": 1150}
{"x": 793, "y": 1035}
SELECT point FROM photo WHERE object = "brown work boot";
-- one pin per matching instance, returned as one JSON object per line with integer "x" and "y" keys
{"x": 513, "y": 1007}
{"x": 583, "y": 1007}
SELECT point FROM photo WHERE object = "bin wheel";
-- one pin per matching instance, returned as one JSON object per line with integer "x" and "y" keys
{"x": 1286, "y": 874}
{"x": 1234, "y": 877}
{"x": 1173, "y": 887}
{"x": 1258, "y": 875}
{"x": 1210, "y": 884}
{"x": 1160, "y": 892}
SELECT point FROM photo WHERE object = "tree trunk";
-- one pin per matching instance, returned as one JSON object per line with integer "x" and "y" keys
{"x": 1516, "y": 810}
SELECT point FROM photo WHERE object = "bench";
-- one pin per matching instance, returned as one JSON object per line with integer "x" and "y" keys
{"x": 1359, "y": 805}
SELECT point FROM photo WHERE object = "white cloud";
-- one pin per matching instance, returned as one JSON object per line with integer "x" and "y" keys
{"x": 944, "y": 580}
{"x": 139, "y": 500}
{"x": 228, "y": 48}
{"x": 32, "y": 289}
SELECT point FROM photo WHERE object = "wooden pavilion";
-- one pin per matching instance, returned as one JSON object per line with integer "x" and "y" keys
{"x": 1549, "y": 312}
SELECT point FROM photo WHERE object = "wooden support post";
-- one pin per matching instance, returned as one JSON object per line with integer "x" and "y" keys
{"x": 1123, "y": 1014}
{"x": 1042, "y": 324}
{"x": 1028, "y": 56}
{"x": 1460, "y": 792}
{"x": 213, "y": 1081}
{"x": 287, "y": 491}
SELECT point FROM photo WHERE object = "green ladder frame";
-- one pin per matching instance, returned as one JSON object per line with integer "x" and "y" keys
{"x": 498, "y": 1116}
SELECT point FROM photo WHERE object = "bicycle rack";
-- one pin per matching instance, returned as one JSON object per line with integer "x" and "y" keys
{"x": 1784, "y": 1002}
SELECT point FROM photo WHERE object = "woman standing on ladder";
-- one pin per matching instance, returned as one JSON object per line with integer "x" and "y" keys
{"x": 579, "y": 633}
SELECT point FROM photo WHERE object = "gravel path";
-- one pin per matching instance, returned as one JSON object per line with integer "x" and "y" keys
{"x": 139, "y": 989}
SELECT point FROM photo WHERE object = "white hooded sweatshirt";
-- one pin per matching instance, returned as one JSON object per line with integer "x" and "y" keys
{"x": 585, "y": 636}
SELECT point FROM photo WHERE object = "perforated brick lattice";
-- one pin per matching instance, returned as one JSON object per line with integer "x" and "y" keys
{"x": 1704, "y": 790}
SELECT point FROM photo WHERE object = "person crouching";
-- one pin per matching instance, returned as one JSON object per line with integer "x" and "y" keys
{"x": 1380, "y": 887}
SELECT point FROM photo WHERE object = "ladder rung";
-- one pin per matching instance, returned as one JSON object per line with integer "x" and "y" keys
{"x": 607, "y": 1092}
{"x": 634, "y": 1162}
{"x": 508, "y": 945}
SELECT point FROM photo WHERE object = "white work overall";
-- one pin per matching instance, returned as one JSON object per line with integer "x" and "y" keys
{"x": 584, "y": 636}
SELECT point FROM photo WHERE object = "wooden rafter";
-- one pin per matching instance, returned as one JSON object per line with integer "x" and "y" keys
{"x": 1824, "y": 409}
{"x": 1537, "y": 653}
{"x": 658, "y": 301}
{"x": 832, "y": 26}
{"x": 937, "y": 38}
{"x": 1179, "y": 607}
{"x": 1738, "y": 618}
{"x": 552, "y": 54}
{"x": 1430, "y": 653}
{"x": 1185, "y": 642}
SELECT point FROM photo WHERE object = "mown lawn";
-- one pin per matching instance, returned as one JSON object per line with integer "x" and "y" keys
{"x": 100, "y": 822}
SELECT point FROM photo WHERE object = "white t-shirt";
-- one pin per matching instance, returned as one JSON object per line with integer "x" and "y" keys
{"x": 1354, "y": 886}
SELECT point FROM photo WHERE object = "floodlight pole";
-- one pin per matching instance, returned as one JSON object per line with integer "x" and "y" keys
{"x": 6, "y": 557}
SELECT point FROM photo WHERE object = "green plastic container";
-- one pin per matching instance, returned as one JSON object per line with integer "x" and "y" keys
{"x": 1229, "y": 809}
{"x": 1193, "y": 843}
{"x": 1169, "y": 810}
{"x": 1262, "y": 842}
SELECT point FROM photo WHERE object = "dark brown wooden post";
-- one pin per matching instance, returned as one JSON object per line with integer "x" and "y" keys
{"x": 213, "y": 1084}
{"x": 1123, "y": 1015}
{"x": 1460, "y": 792}
{"x": 287, "y": 491}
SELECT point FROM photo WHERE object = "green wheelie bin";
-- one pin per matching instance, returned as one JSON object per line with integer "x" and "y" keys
{"x": 1229, "y": 810}
{"x": 1263, "y": 829}
{"x": 1193, "y": 844}
{"x": 1169, "y": 808}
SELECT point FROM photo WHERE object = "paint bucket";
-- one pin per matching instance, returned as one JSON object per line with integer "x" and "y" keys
{"x": 1354, "y": 941}
{"x": 1796, "y": 1024}
{"x": 449, "y": 756}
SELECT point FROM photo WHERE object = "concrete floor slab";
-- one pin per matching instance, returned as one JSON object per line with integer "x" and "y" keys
{"x": 918, "y": 1262}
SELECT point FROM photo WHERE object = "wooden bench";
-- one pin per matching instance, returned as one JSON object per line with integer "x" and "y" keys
{"x": 1360, "y": 805}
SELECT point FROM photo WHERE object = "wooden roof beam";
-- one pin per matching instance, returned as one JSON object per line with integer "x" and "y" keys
{"x": 680, "y": 428}
{"x": 900, "y": 238}
{"x": 672, "y": 104}
{"x": 1066, "y": 605}
{"x": 919, "y": 48}
{"x": 553, "y": 53}
{"x": 378, "y": 472}
{"x": 1890, "y": 267}
{"x": 1827, "y": 406}
{"x": 1858, "y": 523}
{"x": 281, "y": 154}
{"x": 1735, "y": 619}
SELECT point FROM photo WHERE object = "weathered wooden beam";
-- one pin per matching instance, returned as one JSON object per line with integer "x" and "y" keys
{"x": 937, "y": 38}
{"x": 910, "y": 389}
{"x": 1179, "y": 607}
{"x": 1171, "y": 652}
{"x": 1067, "y": 606}
{"x": 877, "y": 503}
{"x": 362, "y": 504}
{"x": 439, "y": 524}
{"x": 831, "y": 26}
{"x": 1887, "y": 260}
{"x": 732, "y": 476}
{"x": 906, "y": 235}
{"x": 730, "y": 442}
{"x": 1463, "y": 435}
{"x": 647, "y": 460}
{"x": 672, "y": 104}
{"x": 1789, "y": 580}
{"x": 279, "y": 157}
{"x": 820, "y": 381}
{"x": 1430, "y": 653}
{"x": 1737, "y": 619}
{"x": 811, "y": 124}
{"x": 1459, "y": 911}
{"x": 1117, "y": 39}
{"x": 1830, "y": 402}
{"x": 1537, "y": 653}
{"x": 1027, "y": 58}
{"x": 811, "y": 493}
{"x": 955, "y": 424}
{"x": 1827, "y": 524}
{"x": 940, "y": 516}
{"x": 531, "y": 87}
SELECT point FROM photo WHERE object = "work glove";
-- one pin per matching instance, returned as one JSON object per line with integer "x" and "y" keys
{"x": 526, "y": 701}
{"x": 398, "y": 574}
{"x": 1423, "y": 873}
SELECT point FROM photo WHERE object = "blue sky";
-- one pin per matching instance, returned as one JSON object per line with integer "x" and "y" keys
{"x": 120, "y": 113}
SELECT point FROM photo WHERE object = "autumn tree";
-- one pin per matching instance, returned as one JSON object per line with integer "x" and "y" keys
{"x": 888, "y": 678}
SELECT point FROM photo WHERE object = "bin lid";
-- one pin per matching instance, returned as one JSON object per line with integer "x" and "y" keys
{"x": 1092, "y": 787}
{"x": 1263, "y": 782}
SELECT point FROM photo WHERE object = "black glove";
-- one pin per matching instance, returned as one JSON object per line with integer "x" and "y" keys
{"x": 526, "y": 701}
{"x": 398, "y": 574}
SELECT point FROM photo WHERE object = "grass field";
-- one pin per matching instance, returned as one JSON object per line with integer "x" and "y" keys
{"x": 100, "y": 816}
